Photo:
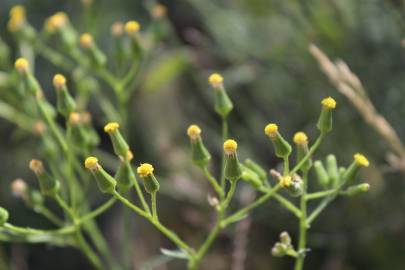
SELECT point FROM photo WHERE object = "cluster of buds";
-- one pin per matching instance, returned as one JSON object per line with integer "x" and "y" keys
{"x": 18, "y": 24}
{"x": 284, "y": 246}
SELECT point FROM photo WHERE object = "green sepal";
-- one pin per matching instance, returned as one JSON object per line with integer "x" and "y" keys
{"x": 98, "y": 58}
{"x": 31, "y": 84}
{"x": 48, "y": 185}
{"x": 282, "y": 148}
{"x": 120, "y": 146}
{"x": 251, "y": 177}
{"x": 69, "y": 36}
{"x": 321, "y": 174}
{"x": 351, "y": 172}
{"x": 105, "y": 182}
{"x": 123, "y": 176}
{"x": 256, "y": 168}
{"x": 332, "y": 168}
{"x": 35, "y": 198}
{"x": 65, "y": 103}
{"x": 223, "y": 104}
{"x": 199, "y": 152}
{"x": 233, "y": 169}
{"x": 151, "y": 184}
{"x": 302, "y": 150}
{"x": 325, "y": 121}
{"x": 3, "y": 216}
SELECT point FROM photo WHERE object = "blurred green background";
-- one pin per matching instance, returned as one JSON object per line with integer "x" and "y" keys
{"x": 261, "y": 48}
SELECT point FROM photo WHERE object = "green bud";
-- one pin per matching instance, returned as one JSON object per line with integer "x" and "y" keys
{"x": 325, "y": 119}
{"x": 354, "y": 190}
{"x": 285, "y": 238}
{"x": 106, "y": 183}
{"x": 251, "y": 177}
{"x": 233, "y": 169}
{"x": 332, "y": 168}
{"x": 48, "y": 185}
{"x": 124, "y": 175}
{"x": 199, "y": 153}
{"x": 65, "y": 102}
{"x": 120, "y": 146}
{"x": 321, "y": 174}
{"x": 279, "y": 250}
{"x": 256, "y": 168}
{"x": 31, "y": 84}
{"x": 351, "y": 172}
{"x": 35, "y": 198}
{"x": 301, "y": 141}
{"x": 150, "y": 182}
{"x": 281, "y": 147}
{"x": 223, "y": 104}
{"x": 3, "y": 216}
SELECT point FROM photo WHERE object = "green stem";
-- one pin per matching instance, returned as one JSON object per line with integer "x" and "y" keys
{"x": 40, "y": 209}
{"x": 86, "y": 249}
{"x": 287, "y": 204}
{"x": 98, "y": 211}
{"x": 213, "y": 182}
{"x": 224, "y": 138}
{"x": 310, "y": 153}
{"x": 137, "y": 187}
{"x": 154, "y": 207}
{"x": 286, "y": 165}
{"x": 299, "y": 263}
{"x": 320, "y": 194}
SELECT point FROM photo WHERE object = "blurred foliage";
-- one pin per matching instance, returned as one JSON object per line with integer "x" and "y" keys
{"x": 261, "y": 48}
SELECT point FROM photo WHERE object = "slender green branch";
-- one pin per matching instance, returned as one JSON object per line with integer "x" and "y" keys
{"x": 224, "y": 138}
{"x": 213, "y": 182}
{"x": 310, "y": 153}
{"x": 154, "y": 207}
{"x": 320, "y": 194}
{"x": 286, "y": 165}
{"x": 287, "y": 204}
{"x": 138, "y": 189}
{"x": 299, "y": 263}
{"x": 98, "y": 211}
{"x": 88, "y": 251}
{"x": 41, "y": 209}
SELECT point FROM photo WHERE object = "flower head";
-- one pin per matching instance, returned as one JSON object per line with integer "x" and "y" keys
{"x": 86, "y": 40}
{"x": 117, "y": 29}
{"x": 59, "y": 81}
{"x": 285, "y": 181}
{"x": 230, "y": 146}
{"x": 111, "y": 127}
{"x": 36, "y": 166}
{"x": 56, "y": 22}
{"x": 21, "y": 64}
{"x": 145, "y": 169}
{"x": 329, "y": 103}
{"x": 271, "y": 130}
{"x": 300, "y": 138}
{"x": 17, "y": 18}
{"x": 91, "y": 163}
{"x": 159, "y": 11}
{"x": 361, "y": 160}
{"x": 193, "y": 131}
{"x": 132, "y": 27}
{"x": 215, "y": 80}
{"x": 74, "y": 118}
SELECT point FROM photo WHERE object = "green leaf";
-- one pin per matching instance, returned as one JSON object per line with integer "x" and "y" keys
{"x": 178, "y": 254}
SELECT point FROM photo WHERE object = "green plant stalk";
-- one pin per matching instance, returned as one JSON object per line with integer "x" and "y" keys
{"x": 154, "y": 207}
{"x": 137, "y": 187}
{"x": 88, "y": 252}
{"x": 98, "y": 211}
{"x": 286, "y": 166}
{"x": 225, "y": 136}
{"x": 40, "y": 209}
{"x": 299, "y": 262}
{"x": 320, "y": 194}
{"x": 310, "y": 153}
{"x": 214, "y": 182}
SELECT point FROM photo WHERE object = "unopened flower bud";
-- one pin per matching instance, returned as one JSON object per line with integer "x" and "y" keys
{"x": 106, "y": 183}
{"x": 22, "y": 65}
{"x": 199, "y": 152}
{"x": 285, "y": 238}
{"x": 359, "y": 161}
{"x": 150, "y": 182}
{"x": 281, "y": 147}
{"x": 332, "y": 168}
{"x": 3, "y": 216}
{"x": 354, "y": 190}
{"x": 223, "y": 104}
{"x": 124, "y": 175}
{"x": 98, "y": 59}
{"x": 19, "y": 188}
{"x": 65, "y": 103}
{"x": 279, "y": 250}
{"x": 321, "y": 174}
{"x": 233, "y": 170}
{"x": 325, "y": 119}
{"x": 301, "y": 141}
{"x": 120, "y": 146}
{"x": 48, "y": 184}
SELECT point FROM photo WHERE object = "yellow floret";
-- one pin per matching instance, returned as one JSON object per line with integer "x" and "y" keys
{"x": 145, "y": 169}
{"x": 17, "y": 18}
{"x": 91, "y": 163}
{"x": 285, "y": 181}
{"x": 36, "y": 166}
{"x": 86, "y": 40}
{"x": 193, "y": 131}
{"x": 21, "y": 64}
{"x": 111, "y": 127}
{"x": 132, "y": 27}
{"x": 300, "y": 138}
{"x": 271, "y": 130}
{"x": 56, "y": 22}
{"x": 361, "y": 160}
{"x": 230, "y": 146}
{"x": 215, "y": 79}
{"x": 329, "y": 103}
{"x": 59, "y": 80}
{"x": 74, "y": 118}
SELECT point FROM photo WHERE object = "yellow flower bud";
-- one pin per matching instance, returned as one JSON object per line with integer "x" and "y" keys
{"x": 91, "y": 163}
{"x": 117, "y": 29}
{"x": 271, "y": 130}
{"x": 36, "y": 166}
{"x": 329, "y": 103}
{"x": 285, "y": 181}
{"x": 132, "y": 27}
{"x": 17, "y": 18}
{"x": 56, "y": 22}
{"x": 361, "y": 160}
{"x": 59, "y": 81}
{"x": 74, "y": 118}
{"x": 21, "y": 64}
{"x": 145, "y": 169}
{"x": 300, "y": 138}
{"x": 215, "y": 80}
{"x": 159, "y": 11}
{"x": 86, "y": 40}
{"x": 193, "y": 131}
{"x": 230, "y": 147}
{"x": 111, "y": 127}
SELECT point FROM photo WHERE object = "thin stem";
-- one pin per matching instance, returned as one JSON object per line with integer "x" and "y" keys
{"x": 137, "y": 187}
{"x": 310, "y": 153}
{"x": 87, "y": 250}
{"x": 325, "y": 202}
{"x": 320, "y": 194}
{"x": 65, "y": 207}
{"x": 286, "y": 165}
{"x": 299, "y": 263}
{"x": 213, "y": 182}
{"x": 98, "y": 211}
{"x": 31, "y": 231}
{"x": 154, "y": 207}
{"x": 40, "y": 209}
{"x": 224, "y": 138}
{"x": 287, "y": 204}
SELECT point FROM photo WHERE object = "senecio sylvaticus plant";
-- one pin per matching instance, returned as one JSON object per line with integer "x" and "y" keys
{"x": 62, "y": 178}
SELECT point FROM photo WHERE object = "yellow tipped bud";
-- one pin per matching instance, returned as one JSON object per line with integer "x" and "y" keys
{"x": 193, "y": 131}
{"x": 117, "y": 29}
{"x": 300, "y": 138}
{"x": 230, "y": 146}
{"x": 17, "y": 18}
{"x": 132, "y": 27}
{"x": 329, "y": 103}
{"x": 36, "y": 166}
{"x": 21, "y": 64}
{"x": 145, "y": 169}
{"x": 130, "y": 155}
{"x": 111, "y": 127}
{"x": 215, "y": 80}
{"x": 285, "y": 181}
{"x": 74, "y": 118}
{"x": 271, "y": 130}
{"x": 86, "y": 40}
{"x": 59, "y": 81}
{"x": 159, "y": 11}
{"x": 56, "y": 22}
{"x": 19, "y": 187}
{"x": 91, "y": 163}
{"x": 361, "y": 160}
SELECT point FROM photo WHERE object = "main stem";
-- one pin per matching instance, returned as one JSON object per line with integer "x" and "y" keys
{"x": 299, "y": 263}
